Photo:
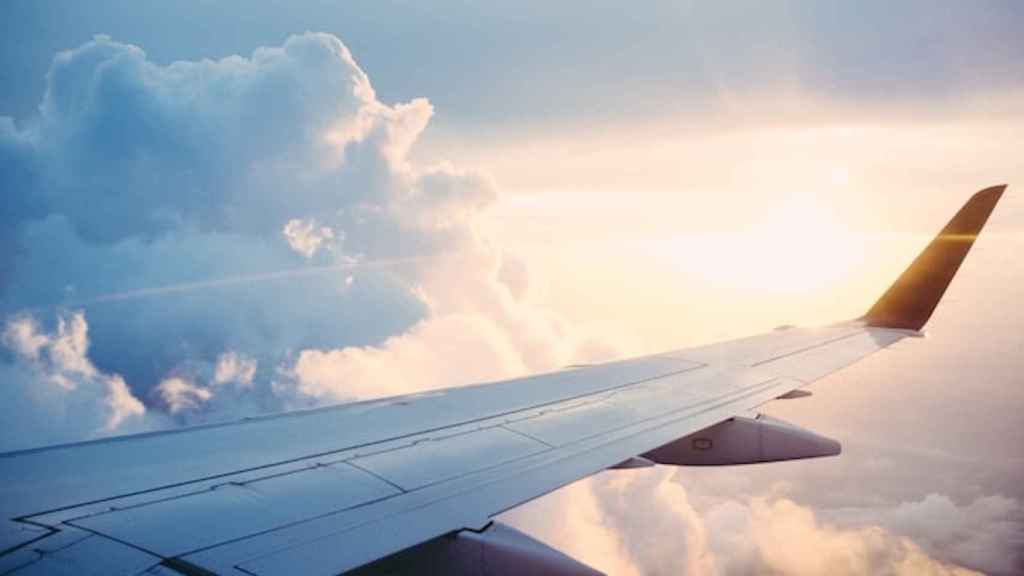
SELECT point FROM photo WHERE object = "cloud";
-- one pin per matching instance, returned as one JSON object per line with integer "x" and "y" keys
{"x": 573, "y": 520}
{"x": 177, "y": 205}
{"x": 133, "y": 149}
{"x": 121, "y": 405}
{"x": 444, "y": 351}
{"x": 135, "y": 176}
{"x": 305, "y": 237}
{"x": 179, "y": 395}
{"x": 783, "y": 533}
{"x": 22, "y": 336}
{"x": 234, "y": 368}
{"x": 53, "y": 393}
{"x": 986, "y": 533}
{"x": 643, "y": 522}
{"x": 662, "y": 532}
{"x": 61, "y": 355}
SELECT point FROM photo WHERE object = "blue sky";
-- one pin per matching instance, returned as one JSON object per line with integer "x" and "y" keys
{"x": 538, "y": 62}
{"x": 211, "y": 213}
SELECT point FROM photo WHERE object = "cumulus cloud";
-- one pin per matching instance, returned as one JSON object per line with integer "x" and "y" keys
{"x": 141, "y": 176}
{"x": 233, "y": 368}
{"x": 986, "y": 533}
{"x": 448, "y": 350}
{"x": 179, "y": 394}
{"x": 573, "y": 521}
{"x": 200, "y": 391}
{"x": 788, "y": 538}
{"x": 643, "y": 522}
{"x": 176, "y": 206}
{"x": 53, "y": 393}
{"x": 121, "y": 404}
{"x": 61, "y": 356}
{"x": 305, "y": 237}
{"x": 662, "y": 532}
{"x": 22, "y": 336}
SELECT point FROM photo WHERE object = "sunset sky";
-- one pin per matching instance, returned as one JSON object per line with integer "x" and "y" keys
{"x": 219, "y": 209}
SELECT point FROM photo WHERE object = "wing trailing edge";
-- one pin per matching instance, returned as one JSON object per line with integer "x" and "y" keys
{"x": 910, "y": 301}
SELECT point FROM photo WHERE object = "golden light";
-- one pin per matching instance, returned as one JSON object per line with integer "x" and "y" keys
{"x": 800, "y": 246}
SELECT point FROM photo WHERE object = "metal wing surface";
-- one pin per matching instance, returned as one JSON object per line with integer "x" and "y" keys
{"x": 331, "y": 490}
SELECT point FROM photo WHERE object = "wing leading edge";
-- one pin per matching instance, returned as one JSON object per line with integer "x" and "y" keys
{"x": 414, "y": 481}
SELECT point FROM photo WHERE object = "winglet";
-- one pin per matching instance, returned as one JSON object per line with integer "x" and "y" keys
{"x": 910, "y": 301}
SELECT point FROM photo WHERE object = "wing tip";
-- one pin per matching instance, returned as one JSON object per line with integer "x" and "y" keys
{"x": 991, "y": 194}
{"x": 909, "y": 302}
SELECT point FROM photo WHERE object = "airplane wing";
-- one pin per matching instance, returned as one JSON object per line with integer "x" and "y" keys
{"x": 412, "y": 482}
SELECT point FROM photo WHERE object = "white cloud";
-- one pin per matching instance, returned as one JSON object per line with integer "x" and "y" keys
{"x": 121, "y": 404}
{"x": 142, "y": 176}
{"x": 61, "y": 356}
{"x": 305, "y": 237}
{"x": 52, "y": 391}
{"x": 22, "y": 336}
{"x": 573, "y": 520}
{"x": 790, "y": 539}
{"x": 67, "y": 351}
{"x": 442, "y": 351}
{"x": 986, "y": 533}
{"x": 661, "y": 530}
{"x": 178, "y": 395}
{"x": 136, "y": 176}
{"x": 642, "y": 522}
{"x": 477, "y": 331}
{"x": 234, "y": 368}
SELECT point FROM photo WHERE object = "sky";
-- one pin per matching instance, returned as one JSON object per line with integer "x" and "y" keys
{"x": 218, "y": 209}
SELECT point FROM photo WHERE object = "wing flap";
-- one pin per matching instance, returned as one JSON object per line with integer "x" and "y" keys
{"x": 345, "y": 541}
{"x": 79, "y": 553}
{"x": 178, "y": 525}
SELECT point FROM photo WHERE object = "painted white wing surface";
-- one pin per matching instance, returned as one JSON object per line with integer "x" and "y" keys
{"x": 412, "y": 482}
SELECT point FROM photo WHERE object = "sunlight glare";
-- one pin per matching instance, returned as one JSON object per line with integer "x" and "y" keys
{"x": 802, "y": 245}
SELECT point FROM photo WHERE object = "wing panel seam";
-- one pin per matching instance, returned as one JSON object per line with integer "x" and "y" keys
{"x": 665, "y": 420}
{"x": 807, "y": 348}
{"x": 693, "y": 366}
